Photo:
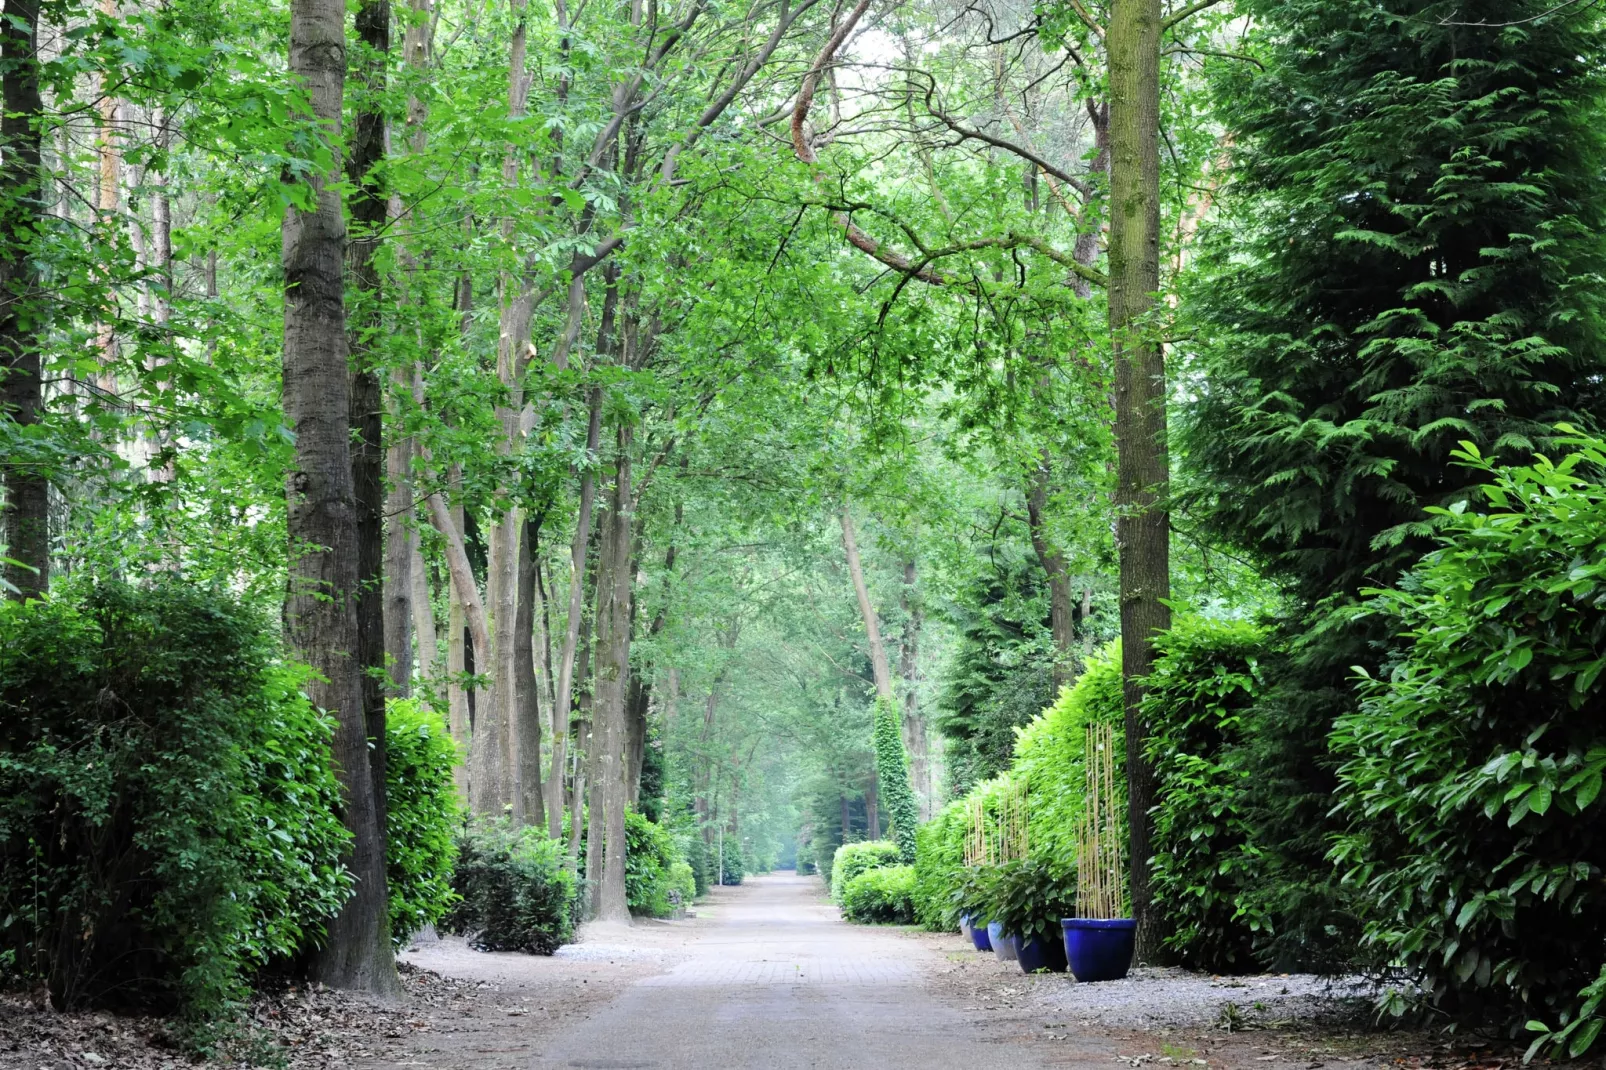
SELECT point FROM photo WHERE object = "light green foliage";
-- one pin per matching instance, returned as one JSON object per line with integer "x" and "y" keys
{"x": 682, "y": 884}
{"x": 892, "y": 772}
{"x": 167, "y": 806}
{"x": 650, "y": 858}
{"x": 1049, "y": 753}
{"x": 1028, "y": 897}
{"x": 940, "y": 867}
{"x": 884, "y": 895}
{"x": 853, "y": 859}
{"x": 515, "y": 889}
{"x": 1206, "y": 673}
{"x": 421, "y": 817}
{"x": 1471, "y": 786}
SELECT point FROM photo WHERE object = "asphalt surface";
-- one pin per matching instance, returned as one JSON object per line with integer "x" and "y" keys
{"x": 777, "y": 980}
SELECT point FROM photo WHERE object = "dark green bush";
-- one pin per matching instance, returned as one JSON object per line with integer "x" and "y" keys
{"x": 515, "y": 889}
{"x": 853, "y": 859}
{"x": 650, "y": 855}
{"x": 733, "y": 867}
{"x": 940, "y": 867}
{"x": 1206, "y": 674}
{"x": 421, "y": 817}
{"x": 884, "y": 895}
{"x": 166, "y": 799}
{"x": 1474, "y": 765}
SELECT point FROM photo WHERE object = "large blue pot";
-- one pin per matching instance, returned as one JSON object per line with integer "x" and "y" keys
{"x": 1040, "y": 953}
{"x": 1099, "y": 949}
{"x": 1003, "y": 944}
{"x": 979, "y": 937}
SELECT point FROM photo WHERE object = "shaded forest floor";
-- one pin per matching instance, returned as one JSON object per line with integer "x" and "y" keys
{"x": 466, "y": 1010}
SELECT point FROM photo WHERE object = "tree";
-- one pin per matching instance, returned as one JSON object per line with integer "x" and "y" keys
{"x": 1399, "y": 265}
{"x": 321, "y": 602}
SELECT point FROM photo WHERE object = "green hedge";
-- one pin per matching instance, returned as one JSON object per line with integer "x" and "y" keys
{"x": 881, "y": 895}
{"x": 167, "y": 805}
{"x": 422, "y": 814}
{"x": 1206, "y": 675}
{"x": 515, "y": 890}
{"x": 940, "y": 867}
{"x": 650, "y": 855}
{"x": 853, "y": 859}
{"x": 1473, "y": 768}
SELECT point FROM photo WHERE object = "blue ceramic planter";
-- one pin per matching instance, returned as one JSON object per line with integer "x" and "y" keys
{"x": 979, "y": 937}
{"x": 1003, "y": 945}
{"x": 1099, "y": 949}
{"x": 1040, "y": 953}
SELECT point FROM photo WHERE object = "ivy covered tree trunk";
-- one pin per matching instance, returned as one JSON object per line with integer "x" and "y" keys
{"x": 27, "y": 490}
{"x": 1142, "y": 468}
{"x": 892, "y": 768}
{"x": 321, "y": 601}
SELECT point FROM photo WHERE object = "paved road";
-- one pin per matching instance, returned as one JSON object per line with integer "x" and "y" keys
{"x": 778, "y": 981}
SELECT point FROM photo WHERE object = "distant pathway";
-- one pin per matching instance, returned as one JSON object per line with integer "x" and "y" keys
{"x": 777, "y": 980}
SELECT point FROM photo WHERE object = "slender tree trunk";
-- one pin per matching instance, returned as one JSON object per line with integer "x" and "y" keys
{"x": 872, "y": 809}
{"x": 527, "y": 806}
{"x": 425, "y": 640}
{"x": 321, "y": 602}
{"x": 872, "y": 625}
{"x": 914, "y": 725}
{"x": 26, "y": 513}
{"x": 400, "y": 548}
{"x": 458, "y": 655}
{"x": 364, "y": 328}
{"x": 1052, "y": 561}
{"x": 1142, "y": 525}
{"x": 612, "y": 675}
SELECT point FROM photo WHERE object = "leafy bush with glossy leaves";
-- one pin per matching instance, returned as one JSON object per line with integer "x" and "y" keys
{"x": 1471, "y": 785}
{"x": 166, "y": 799}
{"x": 422, "y": 815}
{"x": 649, "y": 856}
{"x": 1206, "y": 674}
{"x": 682, "y": 884}
{"x": 884, "y": 895}
{"x": 940, "y": 867}
{"x": 853, "y": 859}
{"x": 1028, "y": 897}
{"x": 515, "y": 889}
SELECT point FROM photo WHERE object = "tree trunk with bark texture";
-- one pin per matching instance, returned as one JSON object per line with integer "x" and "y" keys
{"x": 914, "y": 725}
{"x": 612, "y": 678}
{"x": 321, "y": 601}
{"x": 425, "y": 640}
{"x": 399, "y": 587}
{"x": 528, "y": 806}
{"x": 1052, "y": 561}
{"x": 1142, "y": 525}
{"x": 872, "y": 624}
{"x": 27, "y": 491}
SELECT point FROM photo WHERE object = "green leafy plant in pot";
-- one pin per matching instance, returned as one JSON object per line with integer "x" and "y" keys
{"x": 1099, "y": 939}
{"x": 971, "y": 901}
{"x": 1029, "y": 897}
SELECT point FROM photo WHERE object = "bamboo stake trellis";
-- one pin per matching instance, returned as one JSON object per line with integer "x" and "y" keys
{"x": 1100, "y": 892}
{"x": 1001, "y": 835}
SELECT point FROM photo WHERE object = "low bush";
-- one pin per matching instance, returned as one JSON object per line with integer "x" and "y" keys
{"x": 166, "y": 799}
{"x": 515, "y": 891}
{"x": 1028, "y": 897}
{"x": 884, "y": 895}
{"x": 421, "y": 819}
{"x": 853, "y": 859}
{"x": 733, "y": 866}
{"x": 650, "y": 854}
{"x": 1473, "y": 767}
{"x": 1205, "y": 676}
{"x": 682, "y": 884}
{"x": 940, "y": 867}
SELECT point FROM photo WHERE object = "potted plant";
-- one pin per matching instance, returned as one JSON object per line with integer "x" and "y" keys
{"x": 969, "y": 901}
{"x": 1029, "y": 898}
{"x": 1099, "y": 939}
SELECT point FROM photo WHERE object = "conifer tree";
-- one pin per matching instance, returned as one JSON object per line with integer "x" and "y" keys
{"x": 1407, "y": 257}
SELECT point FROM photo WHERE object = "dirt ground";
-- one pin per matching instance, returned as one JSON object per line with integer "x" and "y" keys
{"x": 766, "y": 975}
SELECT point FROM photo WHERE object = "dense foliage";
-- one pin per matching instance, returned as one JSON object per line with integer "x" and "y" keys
{"x": 421, "y": 817}
{"x": 167, "y": 809}
{"x": 515, "y": 889}
{"x": 940, "y": 866}
{"x": 1206, "y": 873}
{"x": 892, "y": 775}
{"x": 1471, "y": 787}
{"x": 883, "y": 895}
{"x": 853, "y": 859}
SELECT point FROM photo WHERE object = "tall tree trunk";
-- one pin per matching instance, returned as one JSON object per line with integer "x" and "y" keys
{"x": 363, "y": 330}
{"x": 914, "y": 725}
{"x": 638, "y": 699}
{"x": 27, "y": 491}
{"x": 399, "y": 586}
{"x": 612, "y": 675}
{"x": 1052, "y": 560}
{"x": 872, "y": 625}
{"x": 425, "y": 640}
{"x": 872, "y": 809}
{"x": 321, "y": 601}
{"x": 1142, "y": 526}
{"x": 527, "y": 803}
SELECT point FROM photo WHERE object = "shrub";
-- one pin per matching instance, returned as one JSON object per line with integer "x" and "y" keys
{"x": 166, "y": 800}
{"x": 682, "y": 884}
{"x": 421, "y": 817}
{"x": 892, "y": 773}
{"x": 649, "y": 855}
{"x": 853, "y": 859}
{"x": 515, "y": 889}
{"x": 1206, "y": 674}
{"x": 733, "y": 865}
{"x": 1028, "y": 897}
{"x": 1049, "y": 751}
{"x": 881, "y": 895}
{"x": 702, "y": 867}
{"x": 940, "y": 867}
{"x": 1474, "y": 765}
